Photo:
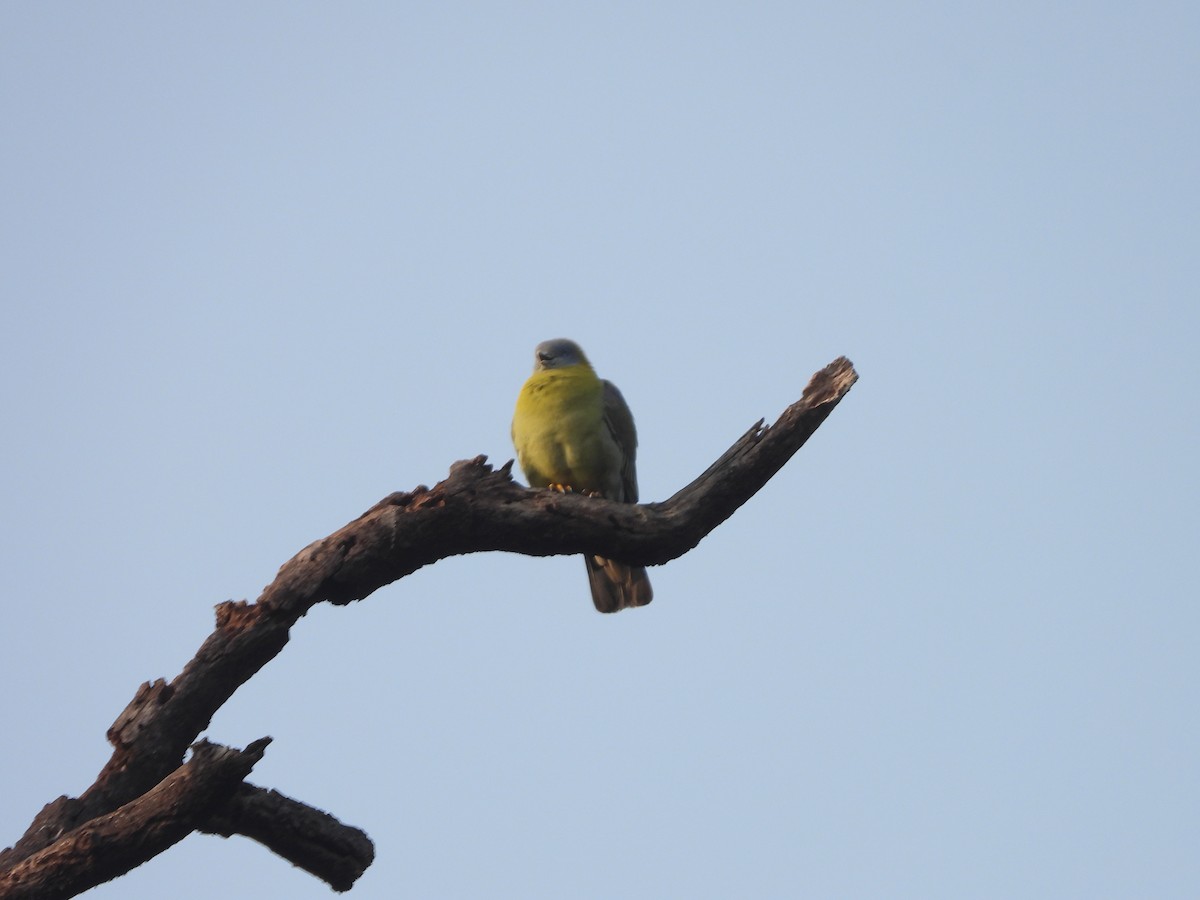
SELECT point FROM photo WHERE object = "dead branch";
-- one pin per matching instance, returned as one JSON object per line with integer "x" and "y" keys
{"x": 144, "y": 787}
{"x": 112, "y": 844}
{"x": 307, "y": 838}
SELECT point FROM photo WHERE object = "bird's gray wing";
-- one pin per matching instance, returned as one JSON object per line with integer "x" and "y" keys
{"x": 617, "y": 585}
{"x": 619, "y": 421}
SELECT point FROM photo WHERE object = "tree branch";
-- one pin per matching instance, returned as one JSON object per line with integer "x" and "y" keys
{"x": 475, "y": 509}
{"x": 112, "y": 844}
{"x": 307, "y": 838}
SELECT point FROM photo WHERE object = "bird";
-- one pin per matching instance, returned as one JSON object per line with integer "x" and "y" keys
{"x": 573, "y": 431}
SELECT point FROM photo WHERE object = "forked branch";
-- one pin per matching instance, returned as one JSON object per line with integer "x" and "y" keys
{"x": 147, "y": 798}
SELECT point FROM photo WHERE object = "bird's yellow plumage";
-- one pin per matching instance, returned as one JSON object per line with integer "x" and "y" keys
{"x": 558, "y": 430}
{"x": 574, "y": 430}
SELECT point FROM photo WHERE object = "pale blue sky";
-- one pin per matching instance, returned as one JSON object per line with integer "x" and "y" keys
{"x": 263, "y": 265}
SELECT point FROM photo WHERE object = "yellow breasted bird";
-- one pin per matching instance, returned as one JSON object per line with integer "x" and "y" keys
{"x": 573, "y": 430}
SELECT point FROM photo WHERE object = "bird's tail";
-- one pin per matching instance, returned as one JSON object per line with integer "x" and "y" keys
{"x": 616, "y": 586}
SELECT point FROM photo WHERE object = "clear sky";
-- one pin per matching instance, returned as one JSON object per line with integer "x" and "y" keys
{"x": 265, "y": 263}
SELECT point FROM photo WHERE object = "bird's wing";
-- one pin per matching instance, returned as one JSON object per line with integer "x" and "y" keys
{"x": 619, "y": 422}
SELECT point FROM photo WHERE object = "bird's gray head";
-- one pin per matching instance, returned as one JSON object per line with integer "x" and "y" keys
{"x": 558, "y": 353}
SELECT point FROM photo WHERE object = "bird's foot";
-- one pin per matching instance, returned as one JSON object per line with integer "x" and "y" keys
{"x": 567, "y": 489}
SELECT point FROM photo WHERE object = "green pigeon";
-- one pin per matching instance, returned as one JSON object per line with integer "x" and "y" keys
{"x": 573, "y": 431}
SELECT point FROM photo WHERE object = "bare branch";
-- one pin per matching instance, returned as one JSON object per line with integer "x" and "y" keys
{"x": 475, "y": 509}
{"x": 111, "y": 845}
{"x": 308, "y": 838}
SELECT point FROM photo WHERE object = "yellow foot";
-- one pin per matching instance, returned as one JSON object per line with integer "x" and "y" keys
{"x": 567, "y": 489}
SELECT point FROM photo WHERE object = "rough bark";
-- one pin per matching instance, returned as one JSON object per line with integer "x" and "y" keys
{"x": 475, "y": 509}
{"x": 307, "y": 838}
{"x": 112, "y": 844}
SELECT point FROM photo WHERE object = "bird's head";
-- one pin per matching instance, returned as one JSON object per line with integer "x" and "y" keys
{"x": 557, "y": 354}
